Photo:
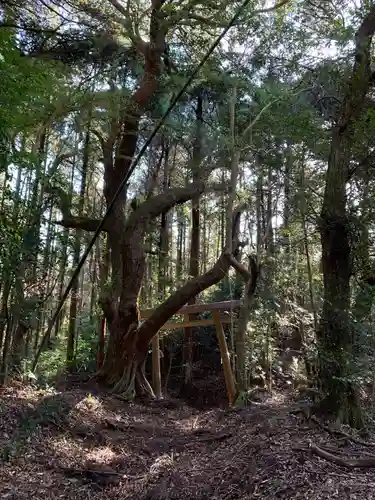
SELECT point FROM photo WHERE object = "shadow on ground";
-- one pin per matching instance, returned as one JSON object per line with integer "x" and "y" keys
{"x": 82, "y": 444}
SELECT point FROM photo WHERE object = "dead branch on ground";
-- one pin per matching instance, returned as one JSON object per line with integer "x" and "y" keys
{"x": 343, "y": 462}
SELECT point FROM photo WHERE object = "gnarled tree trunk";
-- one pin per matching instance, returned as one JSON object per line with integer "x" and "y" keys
{"x": 136, "y": 341}
{"x": 122, "y": 315}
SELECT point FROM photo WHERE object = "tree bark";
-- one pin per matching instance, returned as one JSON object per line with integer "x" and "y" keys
{"x": 122, "y": 312}
{"x": 335, "y": 337}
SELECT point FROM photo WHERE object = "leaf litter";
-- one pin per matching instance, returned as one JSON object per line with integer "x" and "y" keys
{"x": 81, "y": 445}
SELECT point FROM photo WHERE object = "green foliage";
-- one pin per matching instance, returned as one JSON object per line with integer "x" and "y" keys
{"x": 87, "y": 344}
{"x": 53, "y": 361}
{"x": 227, "y": 289}
{"x": 292, "y": 92}
{"x": 11, "y": 234}
{"x": 27, "y": 87}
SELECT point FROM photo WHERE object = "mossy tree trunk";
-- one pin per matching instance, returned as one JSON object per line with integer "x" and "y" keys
{"x": 334, "y": 335}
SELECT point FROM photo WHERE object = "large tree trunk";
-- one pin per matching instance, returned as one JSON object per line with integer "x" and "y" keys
{"x": 122, "y": 315}
{"x": 126, "y": 239}
{"x": 128, "y": 345}
{"x": 126, "y": 354}
{"x": 335, "y": 335}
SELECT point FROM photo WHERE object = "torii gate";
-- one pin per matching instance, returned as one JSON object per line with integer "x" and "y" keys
{"x": 217, "y": 319}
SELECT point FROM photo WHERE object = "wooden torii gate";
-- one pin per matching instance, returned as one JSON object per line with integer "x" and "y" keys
{"x": 217, "y": 319}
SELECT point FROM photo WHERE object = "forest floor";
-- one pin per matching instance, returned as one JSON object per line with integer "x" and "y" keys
{"x": 76, "y": 444}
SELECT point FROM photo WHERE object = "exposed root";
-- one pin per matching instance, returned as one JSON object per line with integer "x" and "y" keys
{"x": 343, "y": 404}
{"x": 126, "y": 385}
{"x": 142, "y": 384}
{"x": 344, "y": 462}
{"x": 106, "y": 375}
{"x": 340, "y": 432}
{"x": 132, "y": 382}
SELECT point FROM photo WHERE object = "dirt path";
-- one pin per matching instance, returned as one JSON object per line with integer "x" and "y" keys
{"x": 76, "y": 445}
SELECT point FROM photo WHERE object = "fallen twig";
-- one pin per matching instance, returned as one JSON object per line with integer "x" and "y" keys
{"x": 105, "y": 477}
{"x": 215, "y": 437}
{"x": 89, "y": 472}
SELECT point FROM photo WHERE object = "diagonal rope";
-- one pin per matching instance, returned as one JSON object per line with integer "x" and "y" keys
{"x": 136, "y": 161}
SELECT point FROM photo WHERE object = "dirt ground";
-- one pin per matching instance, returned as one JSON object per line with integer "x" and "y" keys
{"x": 82, "y": 444}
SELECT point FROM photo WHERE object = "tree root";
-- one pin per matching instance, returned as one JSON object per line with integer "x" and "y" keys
{"x": 142, "y": 384}
{"x": 105, "y": 376}
{"x": 126, "y": 385}
{"x": 132, "y": 382}
{"x": 346, "y": 409}
{"x": 343, "y": 462}
{"x": 340, "y": 432}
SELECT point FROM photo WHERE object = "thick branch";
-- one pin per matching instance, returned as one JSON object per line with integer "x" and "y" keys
{"x": 70, "y": 221}
{"x": 100, "y": 138}
{"x": 174, "y": 303}
{"x": 123, "y": 10}
{"x": 162, "y": 203}
{"x": 153, "y": 52}
{"x": 240, "y": 268}
{"x": 32, "y": 29}
{"x": 361, "y": 78}
{"x": 84, "y": 223}
{"x": 186, "y": 16}
{"x": 193, "y": 287}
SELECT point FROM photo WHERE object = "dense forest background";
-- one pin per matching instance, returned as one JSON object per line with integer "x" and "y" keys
{"x": 259, "y": 186}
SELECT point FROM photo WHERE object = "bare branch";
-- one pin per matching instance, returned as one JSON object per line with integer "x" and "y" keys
{"x": 125, "y": 21}
{"x": 118, "y": 6}
{"x": 69, "y": 220}
{"x": 84, "y": 223}
{"x": 29, "y": 28}
{"x": 162, "y": 203}
{"x": 274, "y": 7}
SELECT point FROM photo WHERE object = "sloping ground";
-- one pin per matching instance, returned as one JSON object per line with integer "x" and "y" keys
{"x": 74, "y": 445}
